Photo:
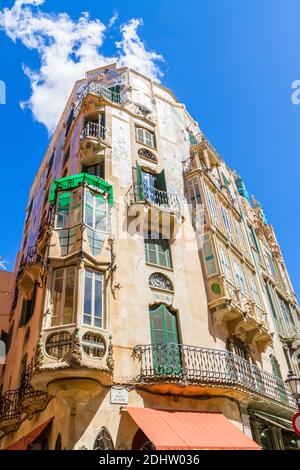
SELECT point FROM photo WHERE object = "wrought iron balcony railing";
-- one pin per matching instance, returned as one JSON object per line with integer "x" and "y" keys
{"x": 162, "y": 199}
{"x": 97, "y": 89}
{"x": 9, "y": 406}
{"x": 93, "y": 129}
{"x": 161, "y": 363}
{"x": 11, "y": 401}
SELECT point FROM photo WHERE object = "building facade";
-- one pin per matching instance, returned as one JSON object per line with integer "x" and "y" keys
{"x": 147, "y": 281}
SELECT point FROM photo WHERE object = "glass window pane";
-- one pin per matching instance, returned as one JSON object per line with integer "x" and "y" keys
{"x": 69, "y": 296}
{"x": 98, "y": 302}
{"x": 57, "y": 296}
{"x": 63, "y": 210}
{"x": 88, "y": 291}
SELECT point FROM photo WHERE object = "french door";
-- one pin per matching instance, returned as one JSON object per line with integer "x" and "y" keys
{"x": 165, "y": 343}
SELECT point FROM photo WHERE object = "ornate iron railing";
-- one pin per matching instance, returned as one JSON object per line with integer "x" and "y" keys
{"x": 93, "y": 129}
{"x": 163, "y": 199}
{"x": 45, "y": 223}
{"x": 11, "y": 400}
{"x": 97, "y": 89}
{"x": 208, "y": 366}
{"x": 9, "y": 405}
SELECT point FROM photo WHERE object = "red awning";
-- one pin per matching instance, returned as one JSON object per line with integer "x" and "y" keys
{"x": 22, "y": 444}
{"x": 168, "y": 429}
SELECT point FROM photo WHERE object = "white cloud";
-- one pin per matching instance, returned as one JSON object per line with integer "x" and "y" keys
{"x": 133, "y": 52}
{"x": 67, "y": 49}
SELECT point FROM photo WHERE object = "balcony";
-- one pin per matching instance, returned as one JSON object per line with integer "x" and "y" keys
{"x": 162, "y": 208}
{"x": 193, "y": 366}
{"x": 31, "y": 271}
{"x": 21, "y": 402}
{"x": 93, "y": 139}
{"x": 287, "y": 331}
{"x": 30, "y": 400}
{"x": 71, "y": 353}
{"x": 243, "y": 316}
{"x": 10, "y": 412}
{"x": 44, "y": 233}
{"x": 95, "y": 88}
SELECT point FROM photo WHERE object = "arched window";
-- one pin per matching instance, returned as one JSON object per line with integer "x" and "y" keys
{"x": 103, "y": 441}
{"x": 160, "y": 281}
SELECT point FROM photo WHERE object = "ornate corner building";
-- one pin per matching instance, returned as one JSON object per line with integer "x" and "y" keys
{"x": 149, "y": 290}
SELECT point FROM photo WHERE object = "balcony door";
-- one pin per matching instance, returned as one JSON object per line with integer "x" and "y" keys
{"x": 165, "y": 339}
{"x": 149, "y": 186}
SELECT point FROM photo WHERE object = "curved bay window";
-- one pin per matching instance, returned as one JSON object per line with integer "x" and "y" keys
{"x": 103, "y": 441}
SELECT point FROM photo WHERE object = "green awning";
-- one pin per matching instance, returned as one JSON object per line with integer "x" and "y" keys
{"x": 71, "y": 182}
{"x": 276, "y": 420}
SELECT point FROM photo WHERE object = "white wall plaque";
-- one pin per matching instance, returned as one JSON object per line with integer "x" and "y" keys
{"x": 118, "y": 396}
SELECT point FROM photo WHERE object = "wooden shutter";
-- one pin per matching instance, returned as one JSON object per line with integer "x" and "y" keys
{"x": 139, "y": 182}
{"x": 161, "y": 181}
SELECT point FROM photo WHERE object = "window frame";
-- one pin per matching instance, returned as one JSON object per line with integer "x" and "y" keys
{"x": 103, "y": 317}
{"x": 60, "y": 315}
{"x": 142, "y": 138}
{"x": 159, "y": 240}
{"x": 207, "y": 241}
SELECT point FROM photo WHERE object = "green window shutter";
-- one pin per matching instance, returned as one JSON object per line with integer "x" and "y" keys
{"x": 115, "y": 93}
{"x": 164, "y": 337}
{"x": 139, "y": 182}
{"x": 192, "y": 138}
{"x": 28, "y": 308}
{"x": 161, "y": 181}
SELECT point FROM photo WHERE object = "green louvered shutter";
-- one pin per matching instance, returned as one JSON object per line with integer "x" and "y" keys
{"x": 139, "y": 182}
{"x": 161, "y": 181}
{"x": 164, "y": 337}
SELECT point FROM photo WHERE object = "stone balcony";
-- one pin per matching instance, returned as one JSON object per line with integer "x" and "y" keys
{"x": 93, "y": 139}
{"x": 94, "y": 88}
{"x": 244, "y": 317}
{"x": 164, "y": 208}
{"x": 30, "y": 271}
{"x": 68, "y": 352}
{"x": 192, "y": 369}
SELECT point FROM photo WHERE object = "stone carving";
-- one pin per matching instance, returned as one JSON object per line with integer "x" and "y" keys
{"x": 109, "y": 358}
{"x": 145, "y": 153}
{"x": 160, "y": 281}
{"x": 39, "y": 356}
{"x": 75, "y": 357}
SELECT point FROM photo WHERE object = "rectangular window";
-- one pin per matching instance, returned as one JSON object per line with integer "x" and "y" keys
{"x": 145, "y": 137}
{"x": 28, "y": 308}
{"x": 225, "y": 264}
{"x": 240, "y": 278}
{"x": 209, "y": 256}
{"x": 212, "y": 206}
{"x": 93, "y": 299}
{"x": 157, "y": 251}
{"x": 194, "y": 194}
{"x": 285, "y": 311}
{"x": 63, "y": 296}
{"x": 95, "y": 170}
{"x": 67, "y": 239}
{"x": 68, "y": 208}
{"x": 254, "y": 290}
{"x": 95, "y": 211}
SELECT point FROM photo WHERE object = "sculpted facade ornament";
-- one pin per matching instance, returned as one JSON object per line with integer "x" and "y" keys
{"x": 160, "y": 281}
{"x": 109, "y": 358}
{"x": 145, "y": 153}
{"x": 75, "y": 357}
{"x": 39, "y": 356}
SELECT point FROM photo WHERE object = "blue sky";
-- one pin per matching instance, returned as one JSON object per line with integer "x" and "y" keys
{"x": 231, "y": 62}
